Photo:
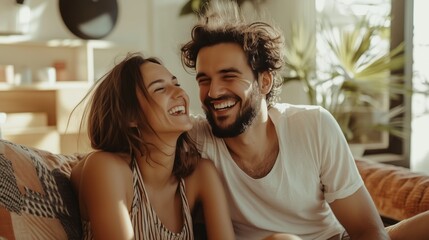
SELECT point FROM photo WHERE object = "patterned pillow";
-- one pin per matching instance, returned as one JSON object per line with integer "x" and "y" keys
{"x": 36, "y": 197}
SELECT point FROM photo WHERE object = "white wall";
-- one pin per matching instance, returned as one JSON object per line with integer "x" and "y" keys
{"x": 131, "y": 33}
{"x": 131, "y": 28}
{"x": 170, "y": 32}
{"x": 155, "y": 28}
{"x": 285, "y": 14}
{"x": 420, "y": 102}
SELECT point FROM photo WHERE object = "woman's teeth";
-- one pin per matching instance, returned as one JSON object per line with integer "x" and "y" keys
{"x": 177, "y": 110}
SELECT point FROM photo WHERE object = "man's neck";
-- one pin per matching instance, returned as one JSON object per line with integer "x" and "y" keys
{"x": 255, "y": 150}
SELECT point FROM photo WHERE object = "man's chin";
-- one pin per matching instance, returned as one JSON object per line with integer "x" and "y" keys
{"x": 219, "y": 130}
{"x": 222, "y": 129}
{"x": 220, "y": 133}
{"x": 225, "y": 131}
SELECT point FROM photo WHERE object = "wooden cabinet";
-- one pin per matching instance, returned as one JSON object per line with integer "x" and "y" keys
{"x": 78, "y": 63}
{"x": 45, "y": 106}
{"x": 45, "y": 110}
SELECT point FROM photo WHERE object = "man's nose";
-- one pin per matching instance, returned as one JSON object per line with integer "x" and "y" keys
{"x": 216, "y": 89}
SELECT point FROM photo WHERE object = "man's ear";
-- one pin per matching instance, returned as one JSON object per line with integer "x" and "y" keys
{"x": 265, "y": 82}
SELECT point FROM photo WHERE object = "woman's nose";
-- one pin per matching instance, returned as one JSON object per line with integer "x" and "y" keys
{"x": 178, "y": 92}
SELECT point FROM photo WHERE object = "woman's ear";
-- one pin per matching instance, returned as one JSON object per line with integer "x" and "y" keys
{"x": 265, "y": 82}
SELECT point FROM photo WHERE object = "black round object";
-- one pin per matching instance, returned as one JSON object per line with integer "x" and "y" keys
{"x": 89, "y": 19}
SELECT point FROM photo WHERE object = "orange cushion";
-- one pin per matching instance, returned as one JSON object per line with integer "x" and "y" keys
{"x": 397, "y": 192}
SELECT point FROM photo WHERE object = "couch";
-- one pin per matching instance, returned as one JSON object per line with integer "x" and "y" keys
{"x": 397, "y": 192}
{"x": 37, "y": 200}
{"x": 36, "y": 197}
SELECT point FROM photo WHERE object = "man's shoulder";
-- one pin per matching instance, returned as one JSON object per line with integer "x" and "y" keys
{"x": 289, "y": 110}
{"x": 199, "y": 120}
{"x": 201, "y": 127}
{"x": 197, "y": 117}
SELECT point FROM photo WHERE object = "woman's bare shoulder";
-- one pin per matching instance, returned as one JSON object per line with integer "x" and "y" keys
{"x": 107, "y": 163}
{"x": 103, "y": 179}
{"x": 105, "y": 160}
{"x": 99, "y": 164}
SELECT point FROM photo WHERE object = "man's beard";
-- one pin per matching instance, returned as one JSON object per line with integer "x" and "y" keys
{"x": 243, "y": 121}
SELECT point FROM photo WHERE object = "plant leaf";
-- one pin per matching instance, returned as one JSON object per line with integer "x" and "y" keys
{"x": 186, "y": 9}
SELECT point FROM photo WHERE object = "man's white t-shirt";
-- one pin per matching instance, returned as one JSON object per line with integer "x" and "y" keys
{"x": 314, "y": 167}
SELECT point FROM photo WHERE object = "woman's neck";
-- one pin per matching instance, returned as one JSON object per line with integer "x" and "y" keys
{"x": 157, "y": 164}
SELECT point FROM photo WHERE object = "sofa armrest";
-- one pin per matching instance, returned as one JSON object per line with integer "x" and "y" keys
{"x": 397, "y": 192}
{"x": 37, "y": 200}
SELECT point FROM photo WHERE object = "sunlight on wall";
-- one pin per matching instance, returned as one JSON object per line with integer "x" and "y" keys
{"x": 420, "y": 102}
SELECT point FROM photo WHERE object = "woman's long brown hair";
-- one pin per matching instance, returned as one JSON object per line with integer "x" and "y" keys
{"x": 112, "y": 107}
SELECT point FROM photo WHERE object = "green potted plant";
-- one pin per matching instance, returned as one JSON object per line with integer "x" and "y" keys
{"x": 356, "y": 82}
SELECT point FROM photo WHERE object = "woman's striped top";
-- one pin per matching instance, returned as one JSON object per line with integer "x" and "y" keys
{"x": 146, "y": 223}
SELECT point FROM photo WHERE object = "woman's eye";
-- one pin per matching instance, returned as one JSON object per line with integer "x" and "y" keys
{"x": 159, "y": 89}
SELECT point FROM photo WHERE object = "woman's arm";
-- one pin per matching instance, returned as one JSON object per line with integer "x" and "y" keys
{"x": 211, "y": 195}
{"x": 104, "y": 190}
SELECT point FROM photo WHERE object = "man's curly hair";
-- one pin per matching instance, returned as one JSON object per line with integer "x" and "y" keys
{"x": 262, "y": 43}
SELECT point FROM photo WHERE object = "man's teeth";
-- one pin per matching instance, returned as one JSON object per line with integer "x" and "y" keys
{"x": 223, "y": 105}
{"x": 177, "y": 110}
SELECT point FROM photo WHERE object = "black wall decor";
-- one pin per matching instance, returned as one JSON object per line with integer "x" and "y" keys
{"x": 89, "y": 19}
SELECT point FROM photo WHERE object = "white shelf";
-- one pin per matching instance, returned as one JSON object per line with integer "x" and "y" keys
{"x": 45, "y": 86}
{"x": 384, "y": 157}
{"x": 77, "y": 54}
{"x": 29, "y": 130}
{"x": 45, "y": 138}
{"x": 71, "y": 43}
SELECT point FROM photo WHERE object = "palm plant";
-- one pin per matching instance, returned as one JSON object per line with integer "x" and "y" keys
{"x": 361, "y": 73}
{"x": 300, "y": 59}
{"x": 356, "y": 82}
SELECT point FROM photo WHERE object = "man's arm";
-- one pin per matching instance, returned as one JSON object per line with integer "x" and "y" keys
{"x": 358, "y": 215}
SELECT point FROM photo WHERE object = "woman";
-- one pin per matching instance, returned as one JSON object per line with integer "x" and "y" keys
{"x": 146, "y": 176}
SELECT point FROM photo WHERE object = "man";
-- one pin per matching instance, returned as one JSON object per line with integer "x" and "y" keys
{"x": 286, "y": 168}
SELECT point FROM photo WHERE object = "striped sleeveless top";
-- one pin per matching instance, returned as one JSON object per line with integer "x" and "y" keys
{"x": 146, "y": 224}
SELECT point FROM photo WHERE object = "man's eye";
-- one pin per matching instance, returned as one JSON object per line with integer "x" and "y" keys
{"x": 229, "y": 76}
{"x": 202, "y": 81}
{"x": 177, "y": 84}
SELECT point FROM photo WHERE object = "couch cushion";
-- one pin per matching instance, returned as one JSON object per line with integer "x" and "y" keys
{"x": 397, "y": 192}
{"x": 36, "y": 197}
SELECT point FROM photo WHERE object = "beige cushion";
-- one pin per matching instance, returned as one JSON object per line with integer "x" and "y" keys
{"x": 36, "y": 197}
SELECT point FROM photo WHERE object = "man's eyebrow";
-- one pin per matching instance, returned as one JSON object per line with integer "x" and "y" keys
{"x": 230, "y": 70}
{"x": 200, "y": 74}
{"x": 222, "y": 71}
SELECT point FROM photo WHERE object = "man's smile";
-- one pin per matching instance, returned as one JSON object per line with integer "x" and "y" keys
{"x": 223, "y": 105}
